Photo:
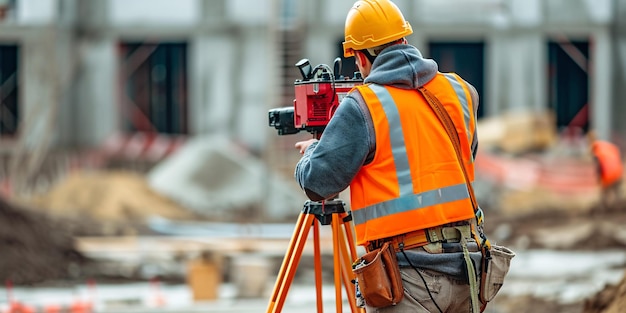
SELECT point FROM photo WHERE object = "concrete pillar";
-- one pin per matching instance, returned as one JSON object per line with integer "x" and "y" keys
{"x": 601, "y": 76}
{"x": 523, "y": 62}
{"x": 496, "y": 74}
{"x": 519, "y": 76}
{"x": 88, "y": 88}
{"x": 39, "y": 91}
{"x": 210, "y": 69}
{"x": 537, "y": 67}
{"x": 249, "y": 120}
{"x": 619, "y": 109}
{"x": 619, "y": 48}
{"x": 98, "y": 102}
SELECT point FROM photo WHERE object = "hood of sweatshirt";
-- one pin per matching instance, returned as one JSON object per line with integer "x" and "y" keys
{"x": 402, "y": 66}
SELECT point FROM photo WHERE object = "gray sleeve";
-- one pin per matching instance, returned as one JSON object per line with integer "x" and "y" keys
{"x": 329, "y": 165}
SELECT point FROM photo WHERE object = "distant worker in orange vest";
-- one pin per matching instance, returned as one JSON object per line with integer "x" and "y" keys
{"x": 610, "y": 169}
{"x": 407, "y": 186}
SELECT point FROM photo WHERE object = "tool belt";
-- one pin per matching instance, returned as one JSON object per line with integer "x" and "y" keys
{"x": 441, "y": 234}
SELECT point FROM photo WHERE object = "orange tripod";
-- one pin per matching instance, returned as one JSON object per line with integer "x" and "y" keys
{"x": 329, "y": 212}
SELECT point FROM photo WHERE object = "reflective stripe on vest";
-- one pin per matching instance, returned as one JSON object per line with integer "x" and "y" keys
{"x": 398, "y": 148}
{"x": 411, "y": 202}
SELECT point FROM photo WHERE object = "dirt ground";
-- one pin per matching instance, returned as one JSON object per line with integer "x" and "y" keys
{"x": 37, "y": 245}
{"x": 594, "y": 230}
{"x": 610, "y": 300}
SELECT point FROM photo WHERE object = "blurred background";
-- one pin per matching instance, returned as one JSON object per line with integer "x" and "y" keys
{"x": 138, "y": 172}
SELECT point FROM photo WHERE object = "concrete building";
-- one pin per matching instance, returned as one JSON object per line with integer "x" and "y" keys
{"x": 76, "y": 73}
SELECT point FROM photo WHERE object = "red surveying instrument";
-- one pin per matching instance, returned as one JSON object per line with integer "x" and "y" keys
{"x": 318, "y": 94}
{"x": 329, "y": 212}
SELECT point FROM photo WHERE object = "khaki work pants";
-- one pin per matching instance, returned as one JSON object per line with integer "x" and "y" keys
{"x": 451, "y": 295}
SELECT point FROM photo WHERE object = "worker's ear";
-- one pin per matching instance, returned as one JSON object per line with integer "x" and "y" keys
{"x": 362, "y": 59}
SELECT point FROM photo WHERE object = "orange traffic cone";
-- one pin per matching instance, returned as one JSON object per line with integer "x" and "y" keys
{"x": 17, "y": 307}
{"x": 27, "y": 309}
{"x": 52, "y": 308}
{"x": 79, "y": 306}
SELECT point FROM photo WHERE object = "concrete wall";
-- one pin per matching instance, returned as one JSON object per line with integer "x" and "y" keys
{"x": 233, "y": 63}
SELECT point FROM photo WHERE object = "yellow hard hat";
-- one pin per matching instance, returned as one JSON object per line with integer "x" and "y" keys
{"x": 371, "y": 23}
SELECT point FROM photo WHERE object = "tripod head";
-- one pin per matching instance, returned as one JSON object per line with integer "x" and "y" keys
{"x": 323, "y": 210}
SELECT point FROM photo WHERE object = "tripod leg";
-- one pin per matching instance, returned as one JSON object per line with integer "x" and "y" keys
{"x": 337, "y": 262}
{"x": 347, "y": 275}
{"x": 349, "y": 229}
{"x": 317, "y": 255}
{"x": 346, "y": 267}
{"x": 290, "y": 262}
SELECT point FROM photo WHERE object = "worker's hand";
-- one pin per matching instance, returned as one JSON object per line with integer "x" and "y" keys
{"x": 303, "y": 145}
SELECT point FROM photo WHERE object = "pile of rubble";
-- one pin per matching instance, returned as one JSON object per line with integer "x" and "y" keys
{"x": 35, "y": 247}
{"x": 37, "y": 234}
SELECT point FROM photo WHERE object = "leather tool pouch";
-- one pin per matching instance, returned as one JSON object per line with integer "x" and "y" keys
{"x": 378, "y": 276}
{"x": 494, "y": 267}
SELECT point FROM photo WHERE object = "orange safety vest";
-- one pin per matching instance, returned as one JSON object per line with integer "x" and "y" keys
{"x": 415, "y": 180}
{"x": 610, "y": 160}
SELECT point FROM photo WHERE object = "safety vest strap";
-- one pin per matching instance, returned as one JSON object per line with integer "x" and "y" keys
{"x": 411, "y": 202}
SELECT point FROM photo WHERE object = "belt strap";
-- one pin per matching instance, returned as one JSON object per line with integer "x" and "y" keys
{"x": 411, "y": 240}
{"x": 423, "y": 237}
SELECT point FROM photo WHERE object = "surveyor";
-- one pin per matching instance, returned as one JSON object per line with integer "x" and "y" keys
{"x": 407, "y": 184}
{"x": 609, "y": 167}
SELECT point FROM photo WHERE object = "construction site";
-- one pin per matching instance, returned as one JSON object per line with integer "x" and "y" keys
{"x": 138, "y": 172}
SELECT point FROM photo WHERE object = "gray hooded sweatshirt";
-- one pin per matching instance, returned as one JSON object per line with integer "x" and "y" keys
{"x": 348, "y": 142}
